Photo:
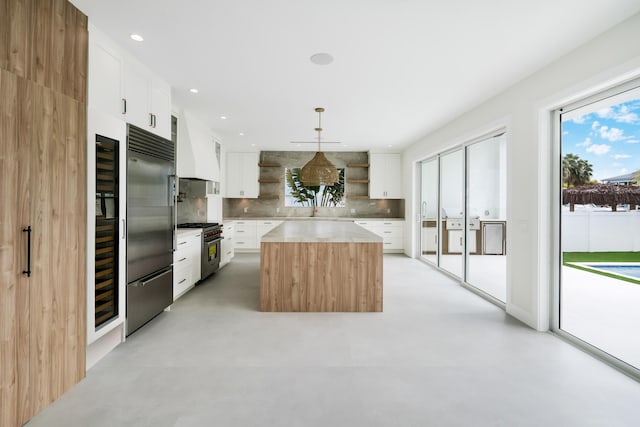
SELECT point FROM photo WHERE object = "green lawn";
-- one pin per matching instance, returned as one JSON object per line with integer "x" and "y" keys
{"x": 569, "y": 257}
{"x": 601, "y": 256}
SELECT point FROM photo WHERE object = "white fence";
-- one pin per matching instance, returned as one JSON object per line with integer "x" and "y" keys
{"x": 600, "y": 231}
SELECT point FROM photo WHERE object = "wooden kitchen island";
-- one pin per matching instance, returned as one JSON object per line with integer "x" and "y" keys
{"x": 320, "y": 266}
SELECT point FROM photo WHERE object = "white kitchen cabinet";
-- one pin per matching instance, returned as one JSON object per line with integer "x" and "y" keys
{"x": 105, "y": 77}
{"x": 196, "y": 151}
{"x": 228, "y": 243}
{"x": 385, "y": 176}
{"x": 186, "y": 261}
{"x": 391, "y": 231}
{"x": 245, "y": 237}
{"x": 119, "y": 85}
{"x": 160, "y": 107}
{"x": 242, "y": 175}
{"x": 136, "y": 95}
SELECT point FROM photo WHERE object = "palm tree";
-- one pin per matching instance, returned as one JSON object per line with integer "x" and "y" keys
{"x": 575, "y": 171}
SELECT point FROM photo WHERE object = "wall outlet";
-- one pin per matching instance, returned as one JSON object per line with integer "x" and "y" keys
{"x": 277, "y": 210}
{"x": 246, "y": 210}
{"x": 353, "y": 210}
{"x": 388, "y": 210}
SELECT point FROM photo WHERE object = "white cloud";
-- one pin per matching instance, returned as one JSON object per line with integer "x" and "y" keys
{"x": 617, "y": 165}
{"x": 605, "y": 113}
{"x": 632, "y": 141}
{"x": 613, "y": 134}
{"x": 566, "y": 132}
{"x": 598, "y": 149}
{"x": 622, "y": 115}
{"x": 579, "y": 120}
{"x": 585, "y": 143}
{"x": 621, "y": 156}
{"x": 623, "y": 171}
{"x": 595, "y": 125}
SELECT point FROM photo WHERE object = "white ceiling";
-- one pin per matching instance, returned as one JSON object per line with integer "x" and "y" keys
{"x": 402, "y": 68}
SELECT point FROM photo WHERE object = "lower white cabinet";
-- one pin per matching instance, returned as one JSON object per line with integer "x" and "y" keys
{"x": 245, "y": 236}
{"x": 186, "y": 261}
{"x": 391, "y": 231}
{"x": 248, "y": 233}
{"x": 228, "y": 243}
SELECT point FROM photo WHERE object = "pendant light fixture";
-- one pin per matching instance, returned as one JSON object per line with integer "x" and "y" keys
{"x": 319, "y": 170}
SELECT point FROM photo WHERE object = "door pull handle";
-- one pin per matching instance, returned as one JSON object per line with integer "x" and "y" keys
{"x": 28, "y": 270}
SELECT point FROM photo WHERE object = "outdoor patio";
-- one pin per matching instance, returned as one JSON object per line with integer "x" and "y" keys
{"x": 602, "y": 311}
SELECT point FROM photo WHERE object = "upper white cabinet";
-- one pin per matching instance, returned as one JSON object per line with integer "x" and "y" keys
{"x": 105, "y": 78}
{"x": 197, "y": 156}
{"x": 385, "y": 177}
{"x": 136, "y": 95}
{"x": 242, "y": 175}
{"x": 160, "y": 107}
{"x": 120, "y": 86}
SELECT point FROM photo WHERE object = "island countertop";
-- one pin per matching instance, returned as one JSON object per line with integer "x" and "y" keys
{"x": 320, "y": 232}
{"x": 320, "y": 266}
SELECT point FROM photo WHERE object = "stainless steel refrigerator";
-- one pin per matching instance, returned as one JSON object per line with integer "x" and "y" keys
{"x": 150, "y": 225}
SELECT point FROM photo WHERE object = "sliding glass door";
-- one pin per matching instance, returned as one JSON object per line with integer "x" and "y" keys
{"x": 599, "y": 289}
{"x": 429, "y": 211}
{"x": 463, "y": 214}
{"x": 452, "y": 212}
{"x": 486, "y": 216}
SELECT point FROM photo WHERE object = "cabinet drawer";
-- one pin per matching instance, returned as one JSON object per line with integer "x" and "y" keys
{"x": 182, "y": 281}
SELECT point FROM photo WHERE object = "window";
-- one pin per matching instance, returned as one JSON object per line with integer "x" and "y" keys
{"x": 298, "y": 195}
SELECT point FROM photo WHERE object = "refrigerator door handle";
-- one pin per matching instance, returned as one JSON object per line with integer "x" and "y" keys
{"x": 151, "y": 279}
{"x": 173, "y": 195}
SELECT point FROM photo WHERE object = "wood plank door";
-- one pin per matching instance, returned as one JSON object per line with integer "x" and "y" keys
{"x": 14, "y": 217}
{"x": 58, "y": 217}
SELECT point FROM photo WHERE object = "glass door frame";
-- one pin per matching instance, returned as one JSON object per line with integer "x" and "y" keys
{"x": 556, "y": 223}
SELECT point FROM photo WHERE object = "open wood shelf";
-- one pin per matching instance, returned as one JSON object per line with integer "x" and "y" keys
{"x": 269, "y": 165}
{"x": 358, "y": 197}
{"x": 357, "y": 181}
{"x": 268, "y": 196}
{"x": 269, "y": 180}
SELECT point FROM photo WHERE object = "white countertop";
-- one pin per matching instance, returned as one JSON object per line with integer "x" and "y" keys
{"x": 320, "y": 231}
{"x": 307, "y": 218}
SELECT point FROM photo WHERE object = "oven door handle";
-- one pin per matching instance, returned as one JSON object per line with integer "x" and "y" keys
{"x": 217, "y": 239}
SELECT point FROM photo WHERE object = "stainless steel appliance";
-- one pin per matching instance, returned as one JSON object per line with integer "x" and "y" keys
{"x": 211, "y": 252}
{"x": 150, "y": 225}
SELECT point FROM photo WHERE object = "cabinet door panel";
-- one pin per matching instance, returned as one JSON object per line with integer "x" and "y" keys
{"x": 161, "y": 109}
{"x": 14, "y": 215}
{"x": 58, "y": 217}
{"x": 105, "y": 90}
{"x": 136, "y": 93}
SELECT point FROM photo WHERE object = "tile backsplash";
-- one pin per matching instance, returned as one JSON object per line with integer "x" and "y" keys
{"x": 355, "y": 208}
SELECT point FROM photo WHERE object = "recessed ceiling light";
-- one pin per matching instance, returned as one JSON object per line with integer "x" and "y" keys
{"x": 390, "y": 145}
{"x": 223, "y": 117}
{"x": 241, "y": 134}
{"x": 137, "y": 37}
{"x": 321, "y": 59}
{"x": 253, "y": 145}
{"x": 194, "y": 90}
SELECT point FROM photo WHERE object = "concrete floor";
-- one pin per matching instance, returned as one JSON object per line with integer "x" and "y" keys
{"x": 438, "y": 356}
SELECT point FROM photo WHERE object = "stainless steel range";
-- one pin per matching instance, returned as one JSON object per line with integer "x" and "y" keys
{"x": 211, "y": 237}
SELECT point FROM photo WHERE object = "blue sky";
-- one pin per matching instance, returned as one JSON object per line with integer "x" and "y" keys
{"x": 608, "y": 138}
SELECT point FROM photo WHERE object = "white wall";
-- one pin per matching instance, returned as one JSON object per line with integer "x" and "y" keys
{"x": 524, "y": 109}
